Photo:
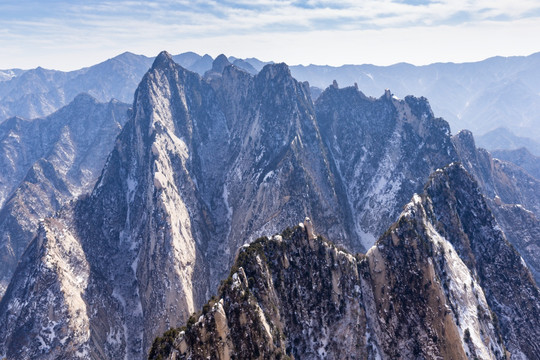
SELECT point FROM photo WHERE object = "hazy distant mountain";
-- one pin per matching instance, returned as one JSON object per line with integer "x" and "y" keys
{"x": 194, "y": 62}
{"x": 258, "y": 64}
{"x": 40, "y": 92}
{"x": 504, "y": 139}
{"x": 244, "y": 65}
{"x": 45, "y": 163}
{"x": 521, "y": 157}
{"x": 478, "y": 96}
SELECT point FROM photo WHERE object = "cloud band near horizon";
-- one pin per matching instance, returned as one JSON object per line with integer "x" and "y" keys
{"x": 72, "y": 34}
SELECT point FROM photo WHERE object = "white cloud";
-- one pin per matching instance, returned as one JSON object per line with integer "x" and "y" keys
{"x": 302, "y": 31}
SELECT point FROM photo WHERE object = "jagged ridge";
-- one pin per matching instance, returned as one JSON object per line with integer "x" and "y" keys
{"x": 421, "y": 291}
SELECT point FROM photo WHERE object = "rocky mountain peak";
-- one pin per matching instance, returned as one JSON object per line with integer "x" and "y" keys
{"x": 420, "y": 107}
{"x": 64, "y": 155}
{"x": 333, "y": 94}
{"x": 208, "y": 164}
{"x": 84, "y": 99}
{"x": 275, "y": 72}
{"x": 388, "y": 129}
{"x": 163, "y": 60}
{"x": 278, "y": 88}
{"x": 465, "y": 140}
{"x": 460, "y": 212}
{"x": 220, "y": 63}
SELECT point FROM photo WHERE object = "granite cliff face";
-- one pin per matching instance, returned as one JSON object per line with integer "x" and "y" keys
{"x": 427, "y": 289}
{"x": 76, "y": 127}
{"x": 507, "y": 282}
{"x": 206, "y": 165}
{"x": 47, "y": 162}
{"x": 511, "y": 183}
{"x": 522, "y": 229}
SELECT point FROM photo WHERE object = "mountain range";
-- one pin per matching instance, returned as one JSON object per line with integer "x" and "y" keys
{"x": 502, "y": 139}
{"x": 479, "y": 96}
{"x": 203, "y": 165}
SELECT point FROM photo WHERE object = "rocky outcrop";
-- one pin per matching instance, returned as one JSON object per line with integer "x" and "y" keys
{"x": 469, "y": 225}
{"x": 427, "y": 289}
{"x": 509, "y": 182}
{"x": 522, "y": 229}
{"x": 50, "y": 311}
{"x": 479, "y": 96}
{"x": 383, "y": 150}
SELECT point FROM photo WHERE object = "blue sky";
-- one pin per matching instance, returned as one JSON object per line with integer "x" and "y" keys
{"x": 71, "y": 34}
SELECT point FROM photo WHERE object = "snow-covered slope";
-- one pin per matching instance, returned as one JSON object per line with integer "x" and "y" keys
{"x": 384, "y": 149}
{"x": 180, "y": 192}
{"x": 512, "y": 194}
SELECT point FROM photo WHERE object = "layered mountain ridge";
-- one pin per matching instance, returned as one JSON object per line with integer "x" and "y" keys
{"x": 47, "y": 162}
{"x": 521, "y": 157}
{"x": 203, "y": 166}
{"x": 480, "y": 96}
{"x": 40, "y": 92}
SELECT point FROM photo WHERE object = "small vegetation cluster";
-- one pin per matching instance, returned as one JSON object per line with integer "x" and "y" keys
{"x": 163, "y": 345}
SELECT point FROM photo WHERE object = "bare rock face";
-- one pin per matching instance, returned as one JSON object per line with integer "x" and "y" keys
{"x": 427, "y": 289}
{"x": 507, "y": 282}
{"x": 47, "y": 162}
{"x": 522, "y": 229}
{"x": 75, "y": 129}
{"x": 51, "y": 310}
{"x": 509, "y": 182}
{"x": 287, "y": 296}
